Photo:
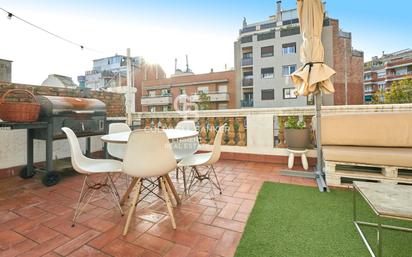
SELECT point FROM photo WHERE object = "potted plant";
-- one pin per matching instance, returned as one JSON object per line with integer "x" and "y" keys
{"x": 296, "y": 134}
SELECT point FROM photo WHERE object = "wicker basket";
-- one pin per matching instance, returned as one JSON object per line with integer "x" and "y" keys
{"x": 19, "y": 111}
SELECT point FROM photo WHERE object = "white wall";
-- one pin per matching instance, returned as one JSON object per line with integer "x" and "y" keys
{"x": 13, "y": 148}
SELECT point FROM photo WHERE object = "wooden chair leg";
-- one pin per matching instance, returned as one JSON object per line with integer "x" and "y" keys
{"x": 170, "y": 193}
{"x": 172, "y": 187}
{"x": 168, "y": 203}
{"x": 133, "y": 207}
{"x": 129, "y": 189}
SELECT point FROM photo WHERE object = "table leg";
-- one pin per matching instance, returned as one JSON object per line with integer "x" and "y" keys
{"x": 129, "y": 190}
{"x": 379, "y": 237}
{"x": 354, "y": 204}
{"x": 291, "y": 160}
{"x": 172, "y": 187}
{"x": 304, "y": 161}
{"x": 30, "y": 136}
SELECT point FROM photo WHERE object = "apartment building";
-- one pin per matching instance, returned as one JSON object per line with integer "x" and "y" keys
{"x": 110, "y": 72}
{"x": 382, "y": 71}
{"x": 5, "y": 70}
{"x": 267, "y": 53}
{"x": 162, "y": 94}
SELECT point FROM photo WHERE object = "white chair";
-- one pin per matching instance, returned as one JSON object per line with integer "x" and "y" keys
{"x": 87, "y": 167}
{"x": 206, "y": 160}
{"x": 117, "y": 150}
{"x": 184, "y": 147}
{"x": 148, "y": 155}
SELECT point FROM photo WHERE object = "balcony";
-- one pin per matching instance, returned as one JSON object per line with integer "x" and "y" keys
{"x": 247, "y": 62}
{"x": 157, "y": 100}
{"x": 394, "y": 76}
{"x": 214, "y": 97}
{"x": 247, "y": 82}
{"x": 247, "y": 103}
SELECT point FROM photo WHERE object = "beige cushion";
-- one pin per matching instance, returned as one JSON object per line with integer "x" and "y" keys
{"x": 401, "y": 157}
{"x": 367, "y": 129}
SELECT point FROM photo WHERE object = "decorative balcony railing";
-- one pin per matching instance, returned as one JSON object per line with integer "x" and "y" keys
{"x": 247, "y": 82}
{"x": 157, "y": 100}
{"x": 247, "y": 62}
{"x": 214, "y": 97}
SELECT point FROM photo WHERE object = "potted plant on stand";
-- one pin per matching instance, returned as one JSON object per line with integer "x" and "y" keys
{"x": 297, "y": 135}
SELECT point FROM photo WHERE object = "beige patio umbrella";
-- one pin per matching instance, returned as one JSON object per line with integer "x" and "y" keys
{"x": 314, "y": 76}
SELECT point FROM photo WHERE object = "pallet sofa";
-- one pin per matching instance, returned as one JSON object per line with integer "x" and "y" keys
{"x": 368, "y": 147}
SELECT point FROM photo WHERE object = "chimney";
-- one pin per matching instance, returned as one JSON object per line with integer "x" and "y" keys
{"x": 211, "y": 70}
{"x": 187, "y": 64}
{"x": 279, "y": 11}
{"x": 175, "y": 64}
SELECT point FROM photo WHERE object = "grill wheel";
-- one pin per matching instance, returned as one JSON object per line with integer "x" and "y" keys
{"x": 51, "y": 178}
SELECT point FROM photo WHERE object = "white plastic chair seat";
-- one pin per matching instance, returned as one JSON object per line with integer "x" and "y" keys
{"x": 195, "y": 160}
{"x": 101, "y": 166}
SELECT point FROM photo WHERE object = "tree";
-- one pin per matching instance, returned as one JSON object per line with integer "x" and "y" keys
{"x": 204, "y": 101}
{"x": 400, "y": 92}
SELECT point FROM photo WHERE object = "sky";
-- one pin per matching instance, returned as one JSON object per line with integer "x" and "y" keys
{"x": 162, "y": 30}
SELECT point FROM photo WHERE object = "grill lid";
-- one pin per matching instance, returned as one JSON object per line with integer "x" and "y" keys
{"x": 58, "y": 105}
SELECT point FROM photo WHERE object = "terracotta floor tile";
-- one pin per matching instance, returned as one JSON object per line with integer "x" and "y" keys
{"x": 227, "y": 245}
{"x": 41, "y": 234}
{"x": 207, "y": 230}
{"x": 178, "y": 251}
{"x": 120, "y": 248}
{"x": 36, "y": 220}
{"x": 229, "y": 211}
{"x": 154, "y": 243}
{"x": 77, "y": 242}
{"x": 229, "y": 224}
{"x": 47, "y": 246}
{"x": 87, "y": 251}
{"x": 9, "y": 238}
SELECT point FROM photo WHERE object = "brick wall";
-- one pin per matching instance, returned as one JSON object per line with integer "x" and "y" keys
{"x": 354, "y": 69}
{"x": 114, "y": 101}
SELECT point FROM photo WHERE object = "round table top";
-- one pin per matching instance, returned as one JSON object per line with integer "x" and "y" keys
{"x": 123, "y": 137}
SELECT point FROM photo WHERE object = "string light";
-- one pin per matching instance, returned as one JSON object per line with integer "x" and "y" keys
{"x": 82, "y": 47}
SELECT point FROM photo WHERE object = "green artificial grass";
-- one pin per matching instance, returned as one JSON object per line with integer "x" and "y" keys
{"x": 289, "y": 220}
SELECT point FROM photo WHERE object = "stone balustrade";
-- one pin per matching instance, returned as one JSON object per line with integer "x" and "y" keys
{"x": 256, "y": 131}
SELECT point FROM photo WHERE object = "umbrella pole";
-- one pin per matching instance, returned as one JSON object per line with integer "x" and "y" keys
{"x": 319, "y": 163}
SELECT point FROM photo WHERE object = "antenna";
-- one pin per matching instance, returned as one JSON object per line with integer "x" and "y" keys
{"x": 175, "y": 64}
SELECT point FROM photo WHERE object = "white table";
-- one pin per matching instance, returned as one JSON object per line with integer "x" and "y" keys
{"x": 172, "y": 134}
{"x": 386, "y": 201}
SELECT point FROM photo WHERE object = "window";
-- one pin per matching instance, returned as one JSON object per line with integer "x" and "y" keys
{"x": 267, "y": 73}
{"x": 202, "y": 90}
{"x": 248, "y": 75}
{"x": 248, "y": 55}
{"x": 368, "y": 88}
{"x": 367, "y": 77}
{"x": 182, "y": 91}
{"x": 246, "y": 39}
{"x": 268, "y": 25}
{"x": 165, "y": 108}
{"x": 266, "y": 51}
{"x": 222, "y": 89}
{"x": 289, "y": 93}
{"x": 290, "y": 32}
{"x": 265, "y": 36}
{"x": 381, "y": 74}
{"x": 152, "y": 93}
{"x": 381, "y": 86}
{"x": 287, "y": 70}
{"x": 289, "y": 48}
{"x": 165, "y": 92}
{"x": 268, "y": 94}
{"x": 152, "y": 108}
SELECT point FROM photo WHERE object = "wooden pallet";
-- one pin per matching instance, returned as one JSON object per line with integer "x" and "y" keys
{"x": 341, "y": 173}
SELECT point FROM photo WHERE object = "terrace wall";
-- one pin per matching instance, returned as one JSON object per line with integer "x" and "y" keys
{"x": 13, "y": 142}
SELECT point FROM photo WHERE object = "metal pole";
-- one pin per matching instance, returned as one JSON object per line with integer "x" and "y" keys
{"x": 129, "y": 88}
{"x": 318, "y": 103}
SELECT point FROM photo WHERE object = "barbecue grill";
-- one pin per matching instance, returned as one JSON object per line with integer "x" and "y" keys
{"x": 85, "y": 116}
